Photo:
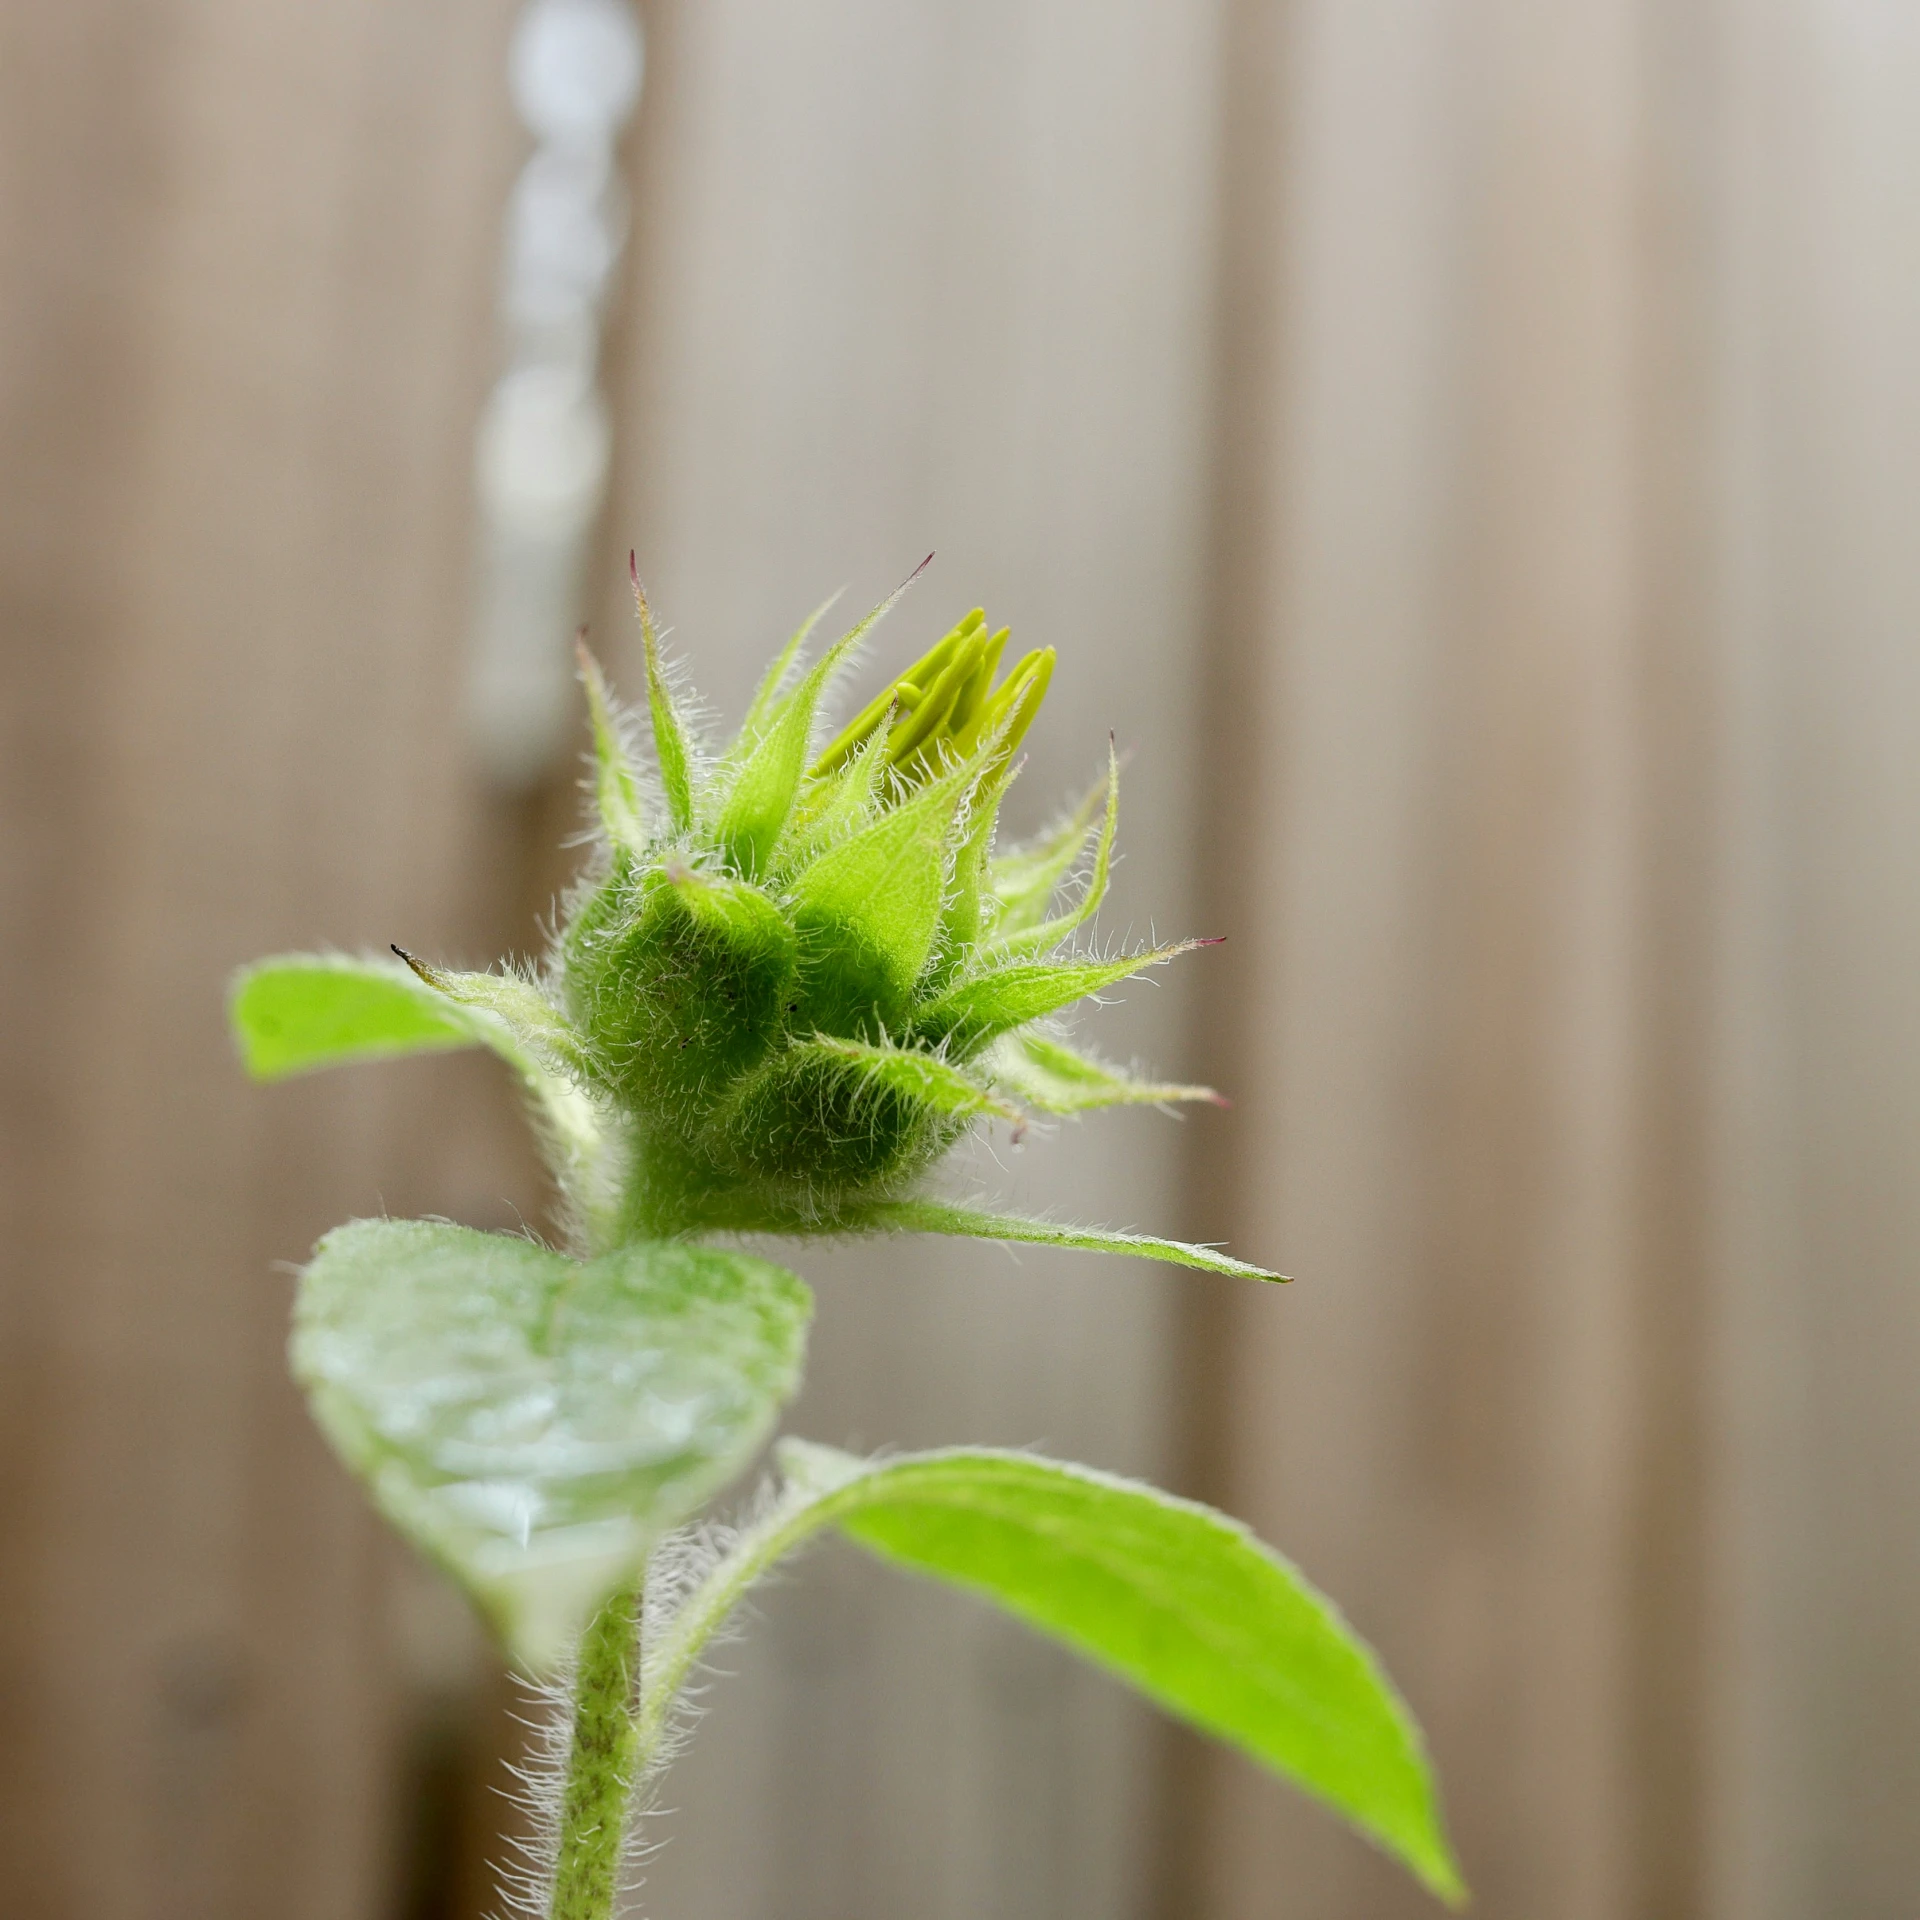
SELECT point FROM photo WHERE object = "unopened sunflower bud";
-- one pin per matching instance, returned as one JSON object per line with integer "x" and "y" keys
{"x": 806, "y": 985}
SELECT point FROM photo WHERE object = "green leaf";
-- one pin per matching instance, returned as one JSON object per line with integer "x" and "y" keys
{"x": 305, "y": 1011}
{"x": 990, "y": 1004}
{"x": 1056, "y": 1079}
{"x": 536, "y": 1423}
{"x": 1178, "y": 1601}
{"x": 671, "y": 745}
{"x": 974, "y": 1223}
{"x": 299, "y": 1012}
{"x": 615, "y": 792}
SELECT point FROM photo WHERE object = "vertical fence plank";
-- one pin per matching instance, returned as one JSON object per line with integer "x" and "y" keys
{"x": 1441, "y": 631}
{"x": 1819, "y": 191}
{"x": 249, "y": 266}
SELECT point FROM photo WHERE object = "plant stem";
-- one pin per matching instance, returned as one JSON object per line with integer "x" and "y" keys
{"x": 601, "y": 1763}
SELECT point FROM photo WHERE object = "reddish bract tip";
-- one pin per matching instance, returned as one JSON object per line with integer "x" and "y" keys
{"x": 640, "y": 598}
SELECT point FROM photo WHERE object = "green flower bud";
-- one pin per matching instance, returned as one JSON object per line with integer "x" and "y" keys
{"x": 800, "y": 976}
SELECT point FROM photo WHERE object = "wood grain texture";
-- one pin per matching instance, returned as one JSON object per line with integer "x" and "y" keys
{"x": 1455, "y": 643}
{"x": 248, "y": 256}
{"x": 1818, "y": 200}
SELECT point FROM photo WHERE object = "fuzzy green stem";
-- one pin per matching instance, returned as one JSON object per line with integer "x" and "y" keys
{"x": 602, "y": 1767}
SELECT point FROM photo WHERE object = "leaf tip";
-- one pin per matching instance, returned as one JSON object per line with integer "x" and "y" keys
{"x": 421, "y": 971}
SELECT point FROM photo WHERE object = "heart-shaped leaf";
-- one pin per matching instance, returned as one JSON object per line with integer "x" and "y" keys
{"x": 533, "y": 1422}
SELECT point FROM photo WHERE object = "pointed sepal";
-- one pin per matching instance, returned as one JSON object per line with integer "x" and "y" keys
{"x": 616, "y": 793}
{"x": 969, "y": 1015}
{"x": 773, "y": 682}
{"x": 974, "y": 1223}
{"x": 672, "y": 744}
{"x": 921, "y": 1076}
{"x": 868, "y": 909}
{"x": 1053, "y": 1077}
{"x": 1024, "y": 880}
{"x": 768, "y": 782}
{"x": 1048, "y": 934}
{"x": 684, "y": 990}
{"x": 822, "y": 1118}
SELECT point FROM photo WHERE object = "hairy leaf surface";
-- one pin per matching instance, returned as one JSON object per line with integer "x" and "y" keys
{"x": 533, "y": 1422}
{"x": 1055, "y": 1078}
{"x": 870, "y": 906}
{"x": 975, "y": 1223}
{"x": 983, "y": 1008}
{"x": 1175, "y": 1599}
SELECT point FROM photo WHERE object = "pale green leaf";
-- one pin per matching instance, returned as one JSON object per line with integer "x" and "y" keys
{"x": 1055, "y": 1078}
{"x": 975, "y": 1223}
{"x": 299, "y": 1012}
{"x": 533, "y": 1422}
{"x": 305, "y": 1011}
{"x": 1176, "y": 1600}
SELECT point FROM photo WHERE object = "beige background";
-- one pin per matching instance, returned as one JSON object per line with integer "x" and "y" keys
{"x": 1470, "y": 454}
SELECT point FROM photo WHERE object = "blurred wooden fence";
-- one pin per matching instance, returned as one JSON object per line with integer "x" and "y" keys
{"x": 1471, "y": 454}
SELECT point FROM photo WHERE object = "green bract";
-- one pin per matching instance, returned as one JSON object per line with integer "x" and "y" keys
{"x": 801, "y": 974}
